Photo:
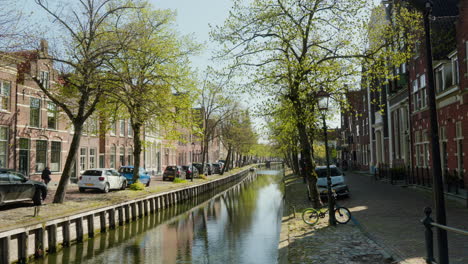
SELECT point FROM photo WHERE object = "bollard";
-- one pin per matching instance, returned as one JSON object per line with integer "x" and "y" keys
{"x": 427, "y": 222}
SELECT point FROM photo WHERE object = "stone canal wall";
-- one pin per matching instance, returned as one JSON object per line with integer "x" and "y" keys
{"x": 20, "y": 244}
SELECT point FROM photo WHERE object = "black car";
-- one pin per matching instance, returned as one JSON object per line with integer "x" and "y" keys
{"x": 190, "y": 171}
{"x": 15, "y": 187}
{"x": 216, "y": 168}
{"x": 172, "y": 172}
{"x": 199, "y": 168}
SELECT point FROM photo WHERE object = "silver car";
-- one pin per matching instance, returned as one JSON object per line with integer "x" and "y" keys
{"x": 101, "y": 179}
{"x": 337, "y": 180}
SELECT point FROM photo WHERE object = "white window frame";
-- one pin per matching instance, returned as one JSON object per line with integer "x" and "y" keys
{"x": 83, "y": 158}
{"x": 45, "y": 79}
{"x": 4, "y": 144}
{"x": 122, "y": 128}
{"x": 455, "y": 71}
{"x": 5, "y": 96}
{"x": 92, "y": 158}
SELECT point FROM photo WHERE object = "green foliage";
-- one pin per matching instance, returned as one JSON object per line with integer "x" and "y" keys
{"x": 137, "y": 186}
{"x": 179, "y": 180}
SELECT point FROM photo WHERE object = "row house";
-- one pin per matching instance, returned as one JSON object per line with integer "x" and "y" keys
{"x": 399, "y": 112}
{"x": 355, "y": 143}
{"x": 34, "y": 134}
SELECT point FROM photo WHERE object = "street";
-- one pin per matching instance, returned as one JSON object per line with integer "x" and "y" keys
{"x": 391, "y": 215}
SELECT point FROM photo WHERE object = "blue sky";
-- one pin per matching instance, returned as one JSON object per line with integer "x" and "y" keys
{"x": 193, "y": 17}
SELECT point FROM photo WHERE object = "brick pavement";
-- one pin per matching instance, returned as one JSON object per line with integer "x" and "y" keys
{"x": 321, "y": 244}
{"x": 390, "y": 215}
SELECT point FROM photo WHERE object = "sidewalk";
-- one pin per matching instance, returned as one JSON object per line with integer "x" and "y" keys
{"x": 391, "y": 215}
{"x": 321, "y": 244}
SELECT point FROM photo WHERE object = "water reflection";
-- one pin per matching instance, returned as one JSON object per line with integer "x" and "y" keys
{"x": 240, "y": 225}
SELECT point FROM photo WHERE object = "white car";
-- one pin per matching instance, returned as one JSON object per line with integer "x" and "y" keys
{"x": 102, "y": 179}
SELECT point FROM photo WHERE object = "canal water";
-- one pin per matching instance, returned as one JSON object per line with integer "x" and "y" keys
{"x": 237, "y": 225}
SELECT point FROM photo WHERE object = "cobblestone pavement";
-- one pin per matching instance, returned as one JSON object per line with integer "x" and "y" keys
{"x": 321, "y": 243}
{"x": 391, "y": 215}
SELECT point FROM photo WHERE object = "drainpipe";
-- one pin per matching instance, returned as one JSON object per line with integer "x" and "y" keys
{"x": 371, "y": 143}
{"x": 15, "y": 129}
{"x": 389, "y": 127}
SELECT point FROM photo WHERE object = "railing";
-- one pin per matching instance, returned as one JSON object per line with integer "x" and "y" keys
{"x": 428, "y": 224}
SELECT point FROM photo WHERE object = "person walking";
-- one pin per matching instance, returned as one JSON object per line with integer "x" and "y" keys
{"x": 45, "y": 176}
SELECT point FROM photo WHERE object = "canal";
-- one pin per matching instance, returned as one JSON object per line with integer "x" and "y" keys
{"x": 236, "y": 225}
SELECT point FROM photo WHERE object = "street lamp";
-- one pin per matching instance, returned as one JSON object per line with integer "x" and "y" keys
{"x": 323, "y": 99}
{"x": 193, "y": 149}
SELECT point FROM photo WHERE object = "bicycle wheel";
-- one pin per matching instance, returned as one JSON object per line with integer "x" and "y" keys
{"x": 342, "y": 215}
{"x": 310, "y": 216}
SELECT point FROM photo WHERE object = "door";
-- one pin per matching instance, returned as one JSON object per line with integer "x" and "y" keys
{"x": 24, "y": 156}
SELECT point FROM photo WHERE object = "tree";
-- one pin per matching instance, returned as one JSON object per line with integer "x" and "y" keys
{"x": 215, "y": 107}
{"x": 153, "y": 65}
{"x": 83, "y": 80}
{"x": 293, "y": 49}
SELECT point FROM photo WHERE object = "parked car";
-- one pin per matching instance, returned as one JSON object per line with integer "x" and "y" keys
{"x": 199, "y": 168}
{"x": 190, "y": 171}
{"x": 209, "y": 168}
{"x": 216, "y": 168}
{"x": 171, "y": 172}
{"x": 127, "y": 172}
{"x": 15, "y": 187}
{"x": 101, "y": 179}
{"x": 337, "y": 178}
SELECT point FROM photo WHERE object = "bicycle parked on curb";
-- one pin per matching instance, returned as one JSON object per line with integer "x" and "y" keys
{"x": 311, "y": 216}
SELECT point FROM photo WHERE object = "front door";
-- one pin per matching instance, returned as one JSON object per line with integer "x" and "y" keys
{"x": 24, "y": 156}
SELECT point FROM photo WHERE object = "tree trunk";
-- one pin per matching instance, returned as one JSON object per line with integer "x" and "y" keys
{"x": 69, "y": 163}
{"x": 308, "y": 169}
{"x": 295, "y": 162}
{"x": 226, "y": 164}
{"x": 137, "y": 146}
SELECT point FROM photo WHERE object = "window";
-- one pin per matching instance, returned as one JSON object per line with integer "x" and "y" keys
{"x": 113, "y": 128}
{"x": 443, "y": 151}
{"x": 83, "y": 156}
{"x": 425, "y": 149}
{"x": 130, "y": 156}
{"x": 112, "y": 157}
{"x": 5, "y": 89}
{"x": 102, "y": 161}
{"x": 122, "y": 156}
{"x": 130, "y": 130}
{"x": 459, "y": 141}
{"x": 51, "y": 115}
{"x": 35, "y": 112}
{"x": 439, "y": 80}
{"x": 45, "y": 79}
{"x": 92, "y": 158}
{"x": 122, "y": 128}
{"x": 55, "y": 153}
{"x": 455, "y": 71}
{"x": 41, "y": 155}
{"x": 3, "y": 147}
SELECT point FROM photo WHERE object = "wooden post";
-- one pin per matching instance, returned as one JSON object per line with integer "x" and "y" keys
{"x": 102, "y": 218}
{"x": 39, "y": 243}
{"x": 22, "y": 247}
{"x": 79, "y": 230}
{"x": 66, "y": 233}
{"x": 111, "y": 218}
{"x": 52, "y": 238}
{"x": 90, "y": 221}
{"x": 5, "y": 249}
{"x": 134, "y": 209}
{"x": 127, "y": 213}
{"x": 121, "y": 214}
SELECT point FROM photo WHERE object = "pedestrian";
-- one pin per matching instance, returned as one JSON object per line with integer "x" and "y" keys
{"x": 45, "y": 176}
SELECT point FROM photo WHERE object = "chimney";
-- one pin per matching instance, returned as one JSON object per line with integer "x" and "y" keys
{"x": 44, "y": 47}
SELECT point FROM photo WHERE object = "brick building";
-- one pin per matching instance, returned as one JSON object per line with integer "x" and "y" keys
{"x": 399, "y": 114}
{"x": 35, "y": 134}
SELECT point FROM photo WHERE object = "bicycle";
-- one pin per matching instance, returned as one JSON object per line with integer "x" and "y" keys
{"x": 311, "y": 216}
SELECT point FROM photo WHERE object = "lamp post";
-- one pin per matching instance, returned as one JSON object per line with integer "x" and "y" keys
{"x": 193, "y": 150}
{"x": 436, "y": 163}
{"x": 323, "y": 98}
